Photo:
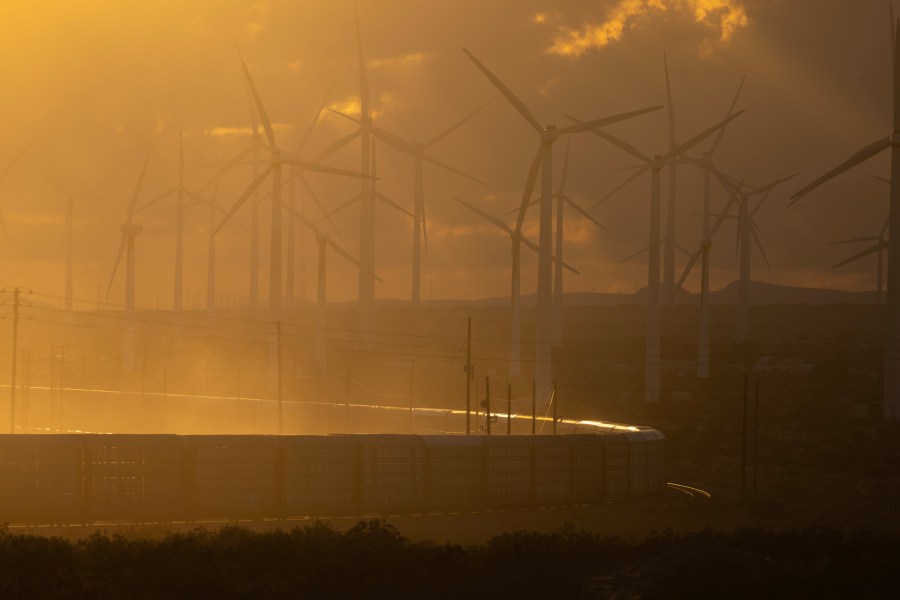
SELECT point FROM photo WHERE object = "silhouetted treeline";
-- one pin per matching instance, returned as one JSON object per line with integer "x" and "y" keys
{"x": 374, "y": 560}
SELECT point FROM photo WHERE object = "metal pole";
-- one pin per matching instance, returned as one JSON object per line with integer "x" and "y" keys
{"x": 487, "y": 402}
{"x": 278, "y": 358}
{"x": 755, "y": 434}
{"x": 533, "y": 406}
{"x": 26, "y": 391}
{"x": 347, "y": 404}
{"x": 554, "y": 402}
{"x": 412, "y": 371}
{"x": 12, "y": 381}
{"x": 508, "y": 409}
{"x": 744, "y": 438}
{"x": 469, "y": 377}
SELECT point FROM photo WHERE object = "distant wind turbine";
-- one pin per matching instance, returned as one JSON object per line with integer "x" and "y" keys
{"x": 655, "y": 165}
{"x": 68, "y": 233}
{"x": 277, "y": 160}
{"x": 892, "y": 322}
{"x": 130, "y": 231}
{"x": 515, "y": 298}
{"x": 878, "y": 248}
{"x": 544, "y": 161}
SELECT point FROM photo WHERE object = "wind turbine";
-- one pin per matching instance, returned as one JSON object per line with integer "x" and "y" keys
{"x": 515, "y": 314}
{"x": 748, "y": 230}
{"x": 277, "y": 160}
{"x": 179, "y": 191}
{"x": 655, "y": 166}
{"x": 417, "y": 151}
{"x": 892, "y": 323}
{"x": 366, "y": 293}
{"x": 562, "y": 200}
{"x": 708, "y": 166}
{"x": 126, "y": 246}
{"x": 69, "y": 235}
{"x": 544, "y": 161}
{"x": 323, "y": 241}
{"x": 878, "y": 248}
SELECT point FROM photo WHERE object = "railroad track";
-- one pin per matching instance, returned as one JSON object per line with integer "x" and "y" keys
{"x": 691, "y": 492}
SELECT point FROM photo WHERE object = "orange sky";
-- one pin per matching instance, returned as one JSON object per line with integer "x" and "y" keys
{"x": 92, "y": 88}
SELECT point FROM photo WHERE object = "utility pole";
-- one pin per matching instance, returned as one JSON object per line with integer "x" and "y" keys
{"x": 554, "y": 402}
{"x": 469, "y": 373}
{"x": 278, "y": 358}
{"x": 487, "y": 402}
{"x": 533, "y": 406}
{"x": 508, "y": 408}
{"x": 16, "y": 291}
{"x": 755, "y": 435}
{"x": 744, "y": 438}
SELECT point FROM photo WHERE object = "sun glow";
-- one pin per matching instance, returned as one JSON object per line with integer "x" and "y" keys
{"x": 725, "y": 16}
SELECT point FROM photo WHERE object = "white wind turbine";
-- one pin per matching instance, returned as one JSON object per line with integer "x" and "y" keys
{"x": 878, "y": 248}
{"x": 417, "y": 151}
{"x": 180, "y": 192}
{"x": 562, "y": 200}
{"x": 366, "y": 293}
{"x": 515, "y": 298}
{"x": 130, "y": 231}
{"x": 323, "y": 241}
{"x": 702, "y": 254}
{"x": 655, "y": 165}
{"x": 276, "y": 162}
{"x": 892, "y": 322}
{"x": 69, "y": 235}
{"x": 544, "y": 161}
{"x": 748, "y": 230}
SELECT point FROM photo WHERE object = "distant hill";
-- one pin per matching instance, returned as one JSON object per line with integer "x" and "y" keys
{"x": 761, "y": 294}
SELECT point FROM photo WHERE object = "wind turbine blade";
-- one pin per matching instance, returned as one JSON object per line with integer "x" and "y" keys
{"x": 766, "y": 189}
{"x": 13, "y": 163}
{"x": 89, "y": 192}
{"x": 345, "y": 115}
{"x": 669, "y": 104}
{"x": 861, "y": 156}
{"x": 315, "y": 198}
{"x": 336, "y": 145}
{"x": 513, "y": 99}
{"x": 865, "y": 238}
{"x": 49, "y": 179}
{"x": 442, "y": 135}
{"x": 684, "y": 147}
{"x": 630, "y": 178}
{"x": 227, "y": 166}
{"x": 306, "y": 221}
{"x": 864, "y": 253}
{"x": 636, "y": 254}
{"x": 529, "y": 186}
{"x": 352, "y": 259}
{"x": 622, "y": 145}
{"x": 363, "y": 75}
{"x": 343, "y": 205}
{"x": 312, "y": 166}
{"x": 486, "y": 216}
{"x": 681, "y": 249}
{"x": 315, "y": 120}
{"x": 582, "y": 212}
{"x": 137, "y": 191}
{"x": 724, "y": 214}
{"x": 882, "y": 179}
{"x": 424, "y": 226}
{"x": 394, "y": 141}
{"x": 119, "y": 254}
{"x": 593, "y": 125}
{"x": 243, "y": 198}
{"x": 516, "y": 210}
{"x": 565, "y": 167}
{"x": 267, "y": 125}
{"x": 687, "y": 269}
{"x": 536, "y": 249}
{"x": 453, "y": 170}
{"x": 393, "y": 204}
{"x": 887, "y": 222}
{"x": 721, "y": 134}
{"x": 759, "y": 245}
{"x": 158, "y": 198}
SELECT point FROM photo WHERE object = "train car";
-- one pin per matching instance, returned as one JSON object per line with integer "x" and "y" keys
{"x": 455, "y": 472}
{"x": 392, "y": 473}
{"x": 321, "y": 475}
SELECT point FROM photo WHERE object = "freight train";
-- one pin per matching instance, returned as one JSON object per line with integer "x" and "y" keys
{"x": 90, "y": 478}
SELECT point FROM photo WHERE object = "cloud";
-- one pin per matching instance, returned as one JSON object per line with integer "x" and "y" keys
{"x": 401, "y": 60}
{"x": 725, "y": 16}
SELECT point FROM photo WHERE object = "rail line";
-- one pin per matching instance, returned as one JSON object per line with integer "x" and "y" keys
{"x": 692, "y": 492}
